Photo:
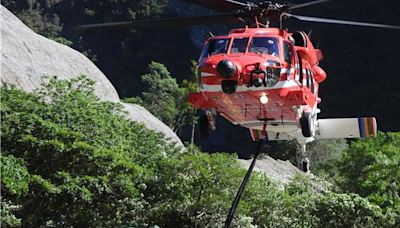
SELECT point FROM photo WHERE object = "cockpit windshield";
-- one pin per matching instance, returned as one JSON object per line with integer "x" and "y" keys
{"x": 215, "y": 46}
{"x": 239, "y": 45}
{"x": 264, "y": 45}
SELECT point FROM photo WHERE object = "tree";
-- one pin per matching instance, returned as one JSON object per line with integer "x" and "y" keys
{"x": 322, "y": 154}
{"x": 371, "y": 168}
{"x": 165, "y": 99}
{"x": 38, "y": 16}
{"x": 186, "y": 114}
{"x": 159, "y": 95}
{"x": 85, "y": 161}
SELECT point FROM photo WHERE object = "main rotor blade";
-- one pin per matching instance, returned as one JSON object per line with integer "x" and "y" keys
{"x": 169, "y": 22}
{"x": 220, "y": 5}
{"x": 307, "y": 4}
{"x": 341, "y": 22}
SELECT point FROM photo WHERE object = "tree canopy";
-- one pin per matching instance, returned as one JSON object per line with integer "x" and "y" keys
{"x": 70, "y": 159}
{"x": 371, "y": 168}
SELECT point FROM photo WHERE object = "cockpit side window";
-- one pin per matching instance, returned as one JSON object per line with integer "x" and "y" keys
{"x": 265, "y": 45}
{"x": 287, "y": 52}
{"x": 214, "y": 46}
{"x": 239, "y": 45}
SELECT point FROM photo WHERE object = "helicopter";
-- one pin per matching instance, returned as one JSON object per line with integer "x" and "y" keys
{"x": 260, "y": 77}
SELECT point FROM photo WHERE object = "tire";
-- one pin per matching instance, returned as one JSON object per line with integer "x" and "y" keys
{"x": 307, "y": 125}
{"x": 204, "y": 126}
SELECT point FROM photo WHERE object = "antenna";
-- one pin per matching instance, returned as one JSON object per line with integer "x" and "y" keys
{"x": 267, "y": 22}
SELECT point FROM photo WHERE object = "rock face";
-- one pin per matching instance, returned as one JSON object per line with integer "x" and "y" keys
{"x": 278, "y": 170}
{"x": 282, "y": 172}
{"x": 140, "y": 114}
{"x": 27, "y": 56}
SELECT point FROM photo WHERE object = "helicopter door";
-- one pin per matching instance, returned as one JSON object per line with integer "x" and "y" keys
{"x": 300, "y": 70}
{"x": 287, "y": 53}
{"x": 289, "y": 57}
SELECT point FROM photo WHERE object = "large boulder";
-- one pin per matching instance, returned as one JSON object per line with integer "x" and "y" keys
{"x": 283, "y": 172}
{"x": 278, "y": 170}
{"x": 140, "y": 114}
{"x": 26, "y": 57}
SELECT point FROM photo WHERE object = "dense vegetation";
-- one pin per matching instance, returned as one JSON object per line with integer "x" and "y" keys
{"x": 69, "y": 159}
{"x": 360, "y": 66}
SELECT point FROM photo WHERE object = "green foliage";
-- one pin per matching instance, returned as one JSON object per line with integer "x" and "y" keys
{"x": 300, "y": 206}
{"x": 82, "y": 155}
{"x": 14, "y": 176}
{"x": 193, "y": 190}
{"x": 69, "y": 159}
{"x": 39, "y": 22}
{"x": 64, "y": 41}
{"x": 159, "y": 95}
{"x": 165, "y": 99}
{"x": 186, "y": 113}
{"x": 8, "y": 210}
{"x": 322, "y": 154}
{"x": 349, "y": 210}
{"x": 133, "y": 100}
{"x": 371, "y": 169}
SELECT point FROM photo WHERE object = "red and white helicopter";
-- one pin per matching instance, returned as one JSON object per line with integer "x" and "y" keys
{"x": 262, "y": 78}
{"x": 267, "y": 79}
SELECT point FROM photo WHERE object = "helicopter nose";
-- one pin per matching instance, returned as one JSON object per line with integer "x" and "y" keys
{"x": 226, "y": 68}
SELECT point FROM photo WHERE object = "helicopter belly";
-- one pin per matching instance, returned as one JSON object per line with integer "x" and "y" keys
{"x": 244, "y": 106}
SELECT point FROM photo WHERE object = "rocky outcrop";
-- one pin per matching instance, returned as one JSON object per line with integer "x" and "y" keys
{"x": 283, "y": 172}
{"x": 26, "y": 57}
{"x": 278, "y": 170}
{"x": 140, "y": 114}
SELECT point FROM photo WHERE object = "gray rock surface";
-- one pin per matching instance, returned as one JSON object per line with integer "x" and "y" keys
{"x": 27, "y": 56}
{"x": 278, "y": 170}
{"x": 140, "y": 114}
{"x": 282, "y": 172}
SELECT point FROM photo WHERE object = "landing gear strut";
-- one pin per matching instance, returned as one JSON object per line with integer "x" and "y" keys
{"x": 305, "y": 162}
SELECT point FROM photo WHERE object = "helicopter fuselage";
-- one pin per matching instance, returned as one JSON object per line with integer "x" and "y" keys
{"x": 257, "y": 76}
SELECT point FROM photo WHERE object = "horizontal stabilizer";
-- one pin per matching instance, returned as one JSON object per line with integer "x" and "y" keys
{"x": 257, "y": 134}
{"x": 363, "y": 127}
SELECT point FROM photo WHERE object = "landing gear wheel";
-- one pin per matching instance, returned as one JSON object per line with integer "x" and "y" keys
{"x": 307, "y": 124}
{"x": 204, "y": 126}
